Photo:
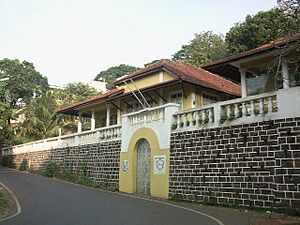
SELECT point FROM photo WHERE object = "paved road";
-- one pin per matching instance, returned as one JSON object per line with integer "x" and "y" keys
{"x": 45, "y": 201}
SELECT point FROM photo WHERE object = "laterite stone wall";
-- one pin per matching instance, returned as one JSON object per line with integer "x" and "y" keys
{"x": 100, "y": 161}
{"x": 256, "y": 164}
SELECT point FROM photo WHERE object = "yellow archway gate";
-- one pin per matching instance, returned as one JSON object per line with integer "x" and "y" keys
{"x": 159, "y": 169}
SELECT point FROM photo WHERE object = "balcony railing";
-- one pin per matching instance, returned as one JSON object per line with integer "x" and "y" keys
{"x": 87, "y": 137}
{"x": 150, "y": 115}
{"x": 275, "y": 105}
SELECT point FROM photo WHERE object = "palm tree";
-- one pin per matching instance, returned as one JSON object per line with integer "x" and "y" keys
{"x": 40, "y": 118}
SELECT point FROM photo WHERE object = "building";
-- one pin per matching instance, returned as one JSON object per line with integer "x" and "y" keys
{"x": 172, "y": 130}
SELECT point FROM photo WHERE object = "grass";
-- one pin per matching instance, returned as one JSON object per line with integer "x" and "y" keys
{"x": 3, "y": 204}
{"x": 53, "y": 170}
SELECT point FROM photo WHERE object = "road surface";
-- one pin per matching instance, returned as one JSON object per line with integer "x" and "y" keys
{"x": 47, "y": 201}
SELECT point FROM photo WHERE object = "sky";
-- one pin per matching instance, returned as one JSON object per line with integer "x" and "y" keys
{"x": 73, "y": 40}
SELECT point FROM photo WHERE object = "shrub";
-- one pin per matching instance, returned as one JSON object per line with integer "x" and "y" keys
{"x": 8, "y": 161}
{"x": 200, "y": 121}
{"x": 187, "y": 123}
{"x": 50, "y": 169}
{"x": 194, "y": 122}
{"x": 231, "y": 116}
{"x": 24, "y": 165}
{"x": 174, "y": 126}
{"x": 256, "y": 112}
{"x": 223, "y": 118}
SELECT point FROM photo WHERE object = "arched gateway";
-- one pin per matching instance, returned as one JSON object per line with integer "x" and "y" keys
{"x": 143, "y": 167}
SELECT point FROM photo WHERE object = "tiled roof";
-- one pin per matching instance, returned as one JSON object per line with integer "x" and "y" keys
{"x": 182, "y": 72}
{"x": 189, "y": 73}
{"x": 266, "y": 47}
{"x": 103, "y": 96}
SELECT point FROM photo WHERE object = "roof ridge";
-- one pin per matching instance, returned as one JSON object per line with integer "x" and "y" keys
{"x": 203, "y": 70}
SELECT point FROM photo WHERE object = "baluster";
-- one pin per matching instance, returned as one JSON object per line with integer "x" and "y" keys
{"x": 161, "y": 114}
{"x": 252, "y": 108}
{"x": 178, "y": 121}
{"x": 210, "y": 113}
{"x": 244, "y": 109}
{"x": 184, "y": 120}
{"x": 236, "y": 110}
{"x": 228, "y": 111}
{"x": 261, "y": 105}
{"x": 203, "y": 115}
{"x": 270, "y": 105}
{"x": 197, "y": 118}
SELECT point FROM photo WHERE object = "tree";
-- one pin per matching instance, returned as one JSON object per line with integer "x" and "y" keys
{"x": 40, "y": 118}
{"x": 6, "y": 133}
{"x": 112, "y": 73}
{"x": 20, "y": 81}
{"x": 74, "y": 92}
{"x": 204, "y": 48}
{"x": 259, "y": 29}
{"x": 150, "y": 63}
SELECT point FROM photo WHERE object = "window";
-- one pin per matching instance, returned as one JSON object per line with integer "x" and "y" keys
{"x": 209, "y": 99}
{"x": 176, "y": 97}
{"x": 294, "y": 74}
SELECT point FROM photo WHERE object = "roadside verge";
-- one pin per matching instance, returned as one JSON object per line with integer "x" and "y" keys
{"x": 13, "y": 207}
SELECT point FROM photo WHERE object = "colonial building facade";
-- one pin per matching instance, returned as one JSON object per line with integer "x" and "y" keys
{"x": 224, "y": 133}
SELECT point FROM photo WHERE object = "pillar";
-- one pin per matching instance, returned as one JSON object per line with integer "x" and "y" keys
{"x": 93, "y": 121}
{"x": 160, "y": 101}
{"x": 243, "y": 82}
{"x": 79, "y": 126}
{"x": 285, "y": 74}
{"x": 193, "y": 97}
{"x": 118, "y": 116}
{"x": 108, "y": 116}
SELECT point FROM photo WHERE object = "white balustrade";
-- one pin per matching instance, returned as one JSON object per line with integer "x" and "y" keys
{"x": 241, "y": 110}
{"x": 249, "y": 107}
{"x": 149, "y": 115}
{"x": 193, "y": 117}
{"x": 85, "y": 137}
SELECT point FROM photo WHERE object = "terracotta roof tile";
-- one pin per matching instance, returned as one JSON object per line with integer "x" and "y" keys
{"x": 94, "y": 99}
{"x": 189, "y": 73}
{"x": 182, "y": 72}
{"x": 277, "y": 43}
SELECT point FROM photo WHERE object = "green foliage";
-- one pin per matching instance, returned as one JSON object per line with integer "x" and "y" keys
{"x": 74, "y": 92}
{"x": 40, "y": 118}
{"x": 256, "y": 111}
{"x": 206, "y": 119}
{"x": 223, "y": 118}
{"x": 24, "y": 165}
{"x": 152, "y": 62}
{"x": 6, "y": 132}
{"x": 112, "y": 73}
{"x": 3, "y": 203}
{"x": 80, "y": 176}
{"x": 50, "y": 169}
{"x": 7, "y": 161}
{"x": 187, "y": 123}
{"x": 204, "y": 48}
{"x": 181, "y": 124}
{"x": 200, "y": 121}
{"x": 259, "y": 29}
{"x": 174, "y": 126}
{"x": 20, "y": 82}
{"x": 231, "y": 116}
{"x": 194, "y": 122}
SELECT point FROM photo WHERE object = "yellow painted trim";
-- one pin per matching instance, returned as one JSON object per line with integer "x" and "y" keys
{"x": 159, "y": 183}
